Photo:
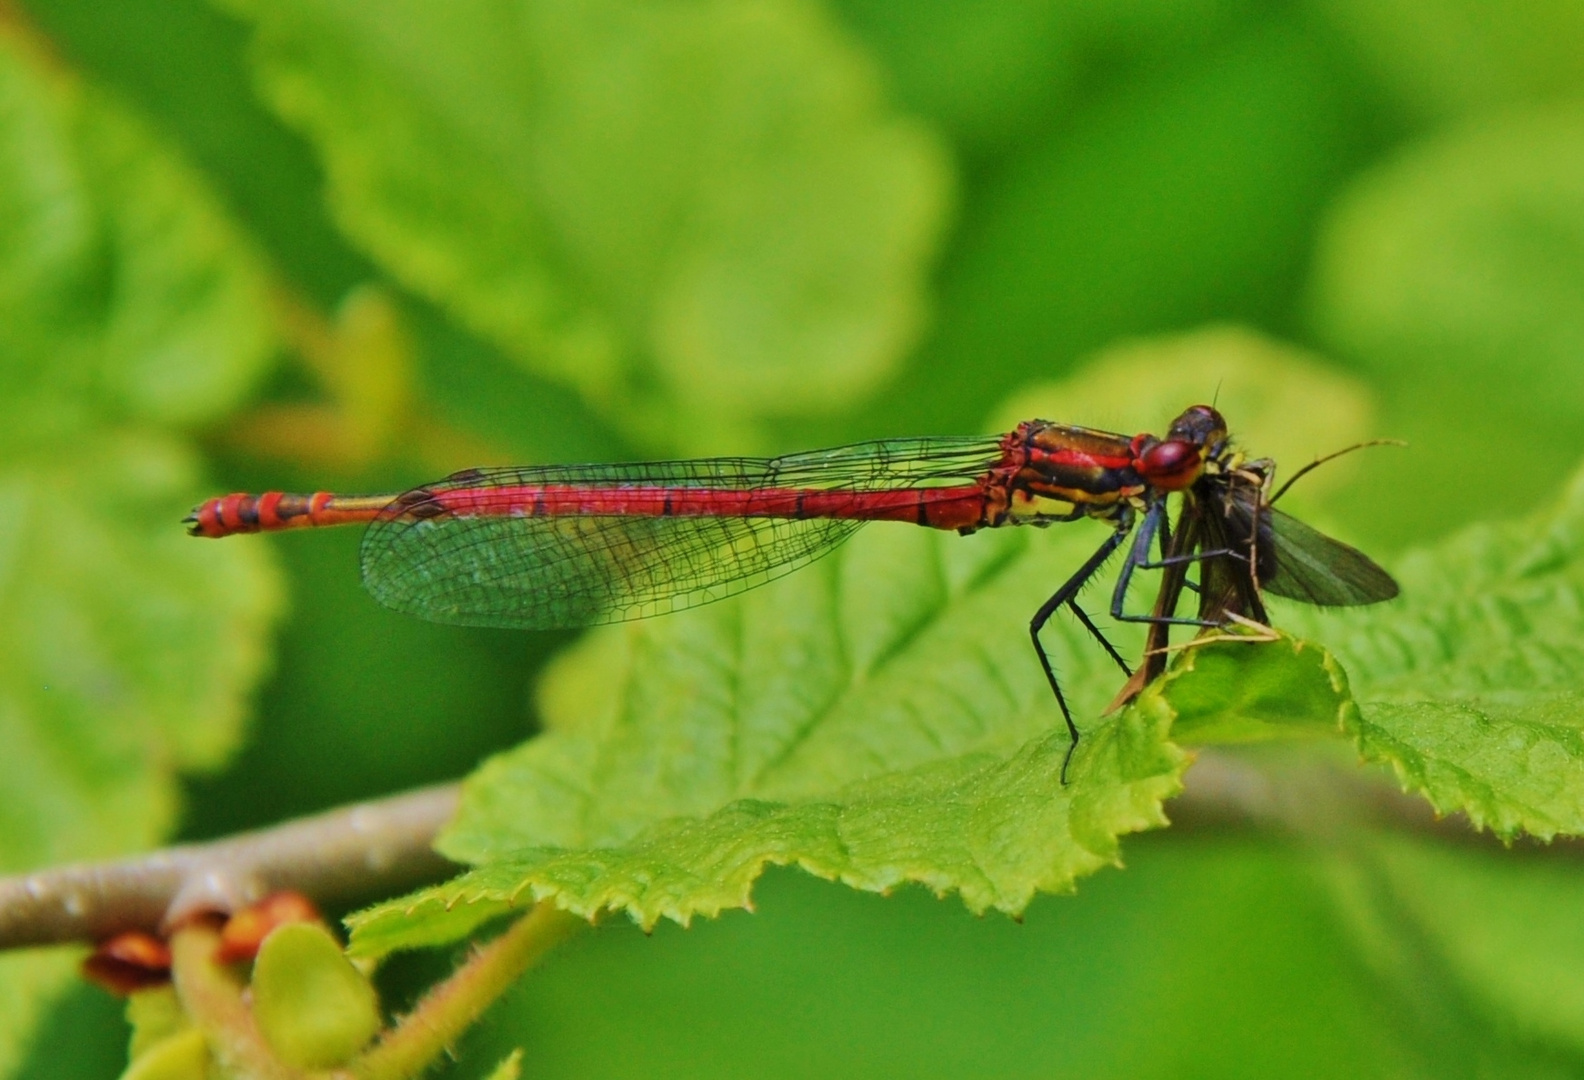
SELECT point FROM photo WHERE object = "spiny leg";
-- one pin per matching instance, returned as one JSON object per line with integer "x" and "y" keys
{"x": 1094, "y": 632}
{"x": 1062, "y": 596}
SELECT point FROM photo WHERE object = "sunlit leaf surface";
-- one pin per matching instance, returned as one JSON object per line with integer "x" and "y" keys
{"x": 877, "y": 718}
{"x": 1470, "y": 680}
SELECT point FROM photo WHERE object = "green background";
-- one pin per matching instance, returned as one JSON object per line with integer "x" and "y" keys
{"x": 1397, "y": 187}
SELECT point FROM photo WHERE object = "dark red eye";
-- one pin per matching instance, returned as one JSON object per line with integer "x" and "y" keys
{"x": 1171, "y": 465}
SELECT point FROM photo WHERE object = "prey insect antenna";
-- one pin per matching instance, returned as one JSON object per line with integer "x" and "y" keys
{"x": 1319, "y": 461}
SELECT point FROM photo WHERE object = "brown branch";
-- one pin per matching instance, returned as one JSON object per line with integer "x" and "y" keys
{"x": 345, "y": 854}
{"x": 377, "y": 848}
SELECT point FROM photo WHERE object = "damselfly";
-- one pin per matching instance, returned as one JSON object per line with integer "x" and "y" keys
{"x": 575, "y": 545}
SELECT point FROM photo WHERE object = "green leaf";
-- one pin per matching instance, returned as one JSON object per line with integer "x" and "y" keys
{"x": 125, "y": 292}
{"x": 689, "y": 210}
{"x": 1453, "y": 275}
{"x": 996, "y": 830}
{"x": 1445, "y": 57}
{"x": 154, "y": 1015}
{"x": 29, "y": 980}
{"x": 1465, "y": 256}
{"x": 1189, "y": 193}
{"x": 183, "y": 1056}
{"x": 878, "y": 718}
{"x": 1510, "y": 768}
{"x": 998, "y": 75}
{"x": 1251, "y": 691}
{"x": 510, "y": 1067}
{"x": 1471, "y": 679}
{"x": 127, "y": 649}
{"x": 1508, "y": 929}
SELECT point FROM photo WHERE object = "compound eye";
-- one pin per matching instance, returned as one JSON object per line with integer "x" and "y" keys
{"x": 1171, "y": 465}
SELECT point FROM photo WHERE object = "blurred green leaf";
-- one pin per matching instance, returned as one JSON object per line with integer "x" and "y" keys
{"x": 1428, "y": 919}
{"x": 30, "y": 980}
{"x": 994, "y": 74}
{"x": 312, "y": 1006}
{"x": 696, "y": 212}
{"x": 510, "y": 1067}
{"x": 1453, "y": 274}
{"x": 1458, "y": 267}
{"x": 129, "y": 646}
{"x": 1470, "y": 679}
{"x": 126, "y": 648}
{"x": 1185, "y": 195}
{"x": 1446, "y": 57}
{"x": 183, "y": 64}
{"x": 125, "y": 292}
{"x": 1506, "y": 929}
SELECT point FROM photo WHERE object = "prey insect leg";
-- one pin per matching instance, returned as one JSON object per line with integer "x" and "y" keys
{"x": 1138, "y": 558}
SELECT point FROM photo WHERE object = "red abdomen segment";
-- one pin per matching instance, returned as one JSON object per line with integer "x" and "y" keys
{"x": 275, "y": 510}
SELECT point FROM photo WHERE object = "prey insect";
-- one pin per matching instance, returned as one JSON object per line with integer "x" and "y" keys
{"x": 1245, "y": 547}
{"x": 575, "y": 545}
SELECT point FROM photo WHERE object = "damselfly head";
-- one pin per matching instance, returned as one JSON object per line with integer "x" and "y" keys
{"x": 1195, "y": 438}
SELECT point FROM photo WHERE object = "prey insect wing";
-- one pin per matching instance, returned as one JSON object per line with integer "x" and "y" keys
{"x": 1298, "y": 562}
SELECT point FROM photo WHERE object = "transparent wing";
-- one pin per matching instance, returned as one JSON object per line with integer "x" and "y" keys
{"x": 502, "y": 564}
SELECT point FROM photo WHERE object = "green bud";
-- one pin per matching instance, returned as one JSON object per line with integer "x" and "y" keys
{"x": 155, "y": 1015}
{"x": 313, "y": 1006}
{"x": 182, "y": 1056}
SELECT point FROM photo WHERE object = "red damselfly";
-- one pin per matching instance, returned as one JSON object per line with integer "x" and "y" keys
{"x": 575, "y": 545}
